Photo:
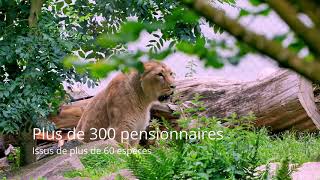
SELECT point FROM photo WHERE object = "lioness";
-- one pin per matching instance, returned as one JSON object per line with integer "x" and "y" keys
{"x": 124, "y": 105}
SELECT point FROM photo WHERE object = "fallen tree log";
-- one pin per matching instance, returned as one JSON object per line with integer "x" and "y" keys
{"x": 282, "y": 101}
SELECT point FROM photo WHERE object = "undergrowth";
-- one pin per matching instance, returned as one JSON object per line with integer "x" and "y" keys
{"x": 235, "y": 156}
{"x": 98, "y": 165}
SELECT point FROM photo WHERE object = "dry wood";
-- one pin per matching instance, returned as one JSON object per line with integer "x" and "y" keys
{"x": 52, "y": 137}
{"x": 283, "y": 100}
{"x": 69, "y": 114}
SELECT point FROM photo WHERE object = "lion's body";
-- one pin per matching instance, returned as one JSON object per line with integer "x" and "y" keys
{"x": 125, "y": 104}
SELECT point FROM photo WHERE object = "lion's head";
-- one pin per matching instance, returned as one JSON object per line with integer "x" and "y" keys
{"x": 157, "y": 80}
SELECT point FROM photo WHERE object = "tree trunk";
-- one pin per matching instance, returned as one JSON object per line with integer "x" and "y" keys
{"x": 27, "y": 145}
{"x": 2, "y": 146}
{"x": 282, "y": 101}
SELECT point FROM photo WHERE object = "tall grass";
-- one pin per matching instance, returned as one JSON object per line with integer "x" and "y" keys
{"x": 235, "y": 156}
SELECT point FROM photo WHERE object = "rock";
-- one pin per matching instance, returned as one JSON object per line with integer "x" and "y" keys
{"x": 55, "y": 168}
{"x": 125, "y": 173}
{"x": 9, "y": 150}
{"x": 307, "y": 171}
{"x": 4, "y": 164}
{"x": 101, "y": 144}
{"x": 272, "y": 169}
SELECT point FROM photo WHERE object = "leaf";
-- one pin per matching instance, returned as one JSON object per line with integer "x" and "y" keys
{"x": 255, "y": 2}
{"x": 156, "y": 35}
{"x": 265, "y": 12}
{"x": 161, "y": 41}
{"x": 101, "y": 69}
{"x": 200, "y": 42}
{"x": 185, "y": 47}
{"x": 6, "y": 93}
{"x": 81, "y": 54}
{"x": 216, "y": 29}
{"x": 158, "y": 46}
{"x": 108, "y": 40}
{"x": 152, "y": 40}
{"x": 130, "y": 31}
{"x": 160, "y": 55}
{"x": 280, "y": 38}
{"x": 189, "y": 16}
{"x": 60, "y": 5}
{"x": 309, "y": 58}
{"x": 69, "y": 61}
{"x": 139, "y": 66}
{"x": 200, "y": 48}
{"x": 212, "y": 60}
{"x": 296, "y": 46}
{"x": 244, "y": 12}
{"x": 172, "y": 43}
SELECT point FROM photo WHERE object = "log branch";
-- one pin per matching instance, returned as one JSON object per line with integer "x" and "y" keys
{"x": 284, "y": 56}
{"x": 282, "y": 101}
{"x": 288, "y": 13}
{"x": 310, "y": 8}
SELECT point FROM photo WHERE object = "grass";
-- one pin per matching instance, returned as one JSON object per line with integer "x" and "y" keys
{"x": 98, "y": 165}
{"x": 165, "y": 161}
{"x": 298, "y": 147}
{"x": 235, "y": 156}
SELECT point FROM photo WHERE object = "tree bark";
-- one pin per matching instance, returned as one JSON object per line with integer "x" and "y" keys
{"x": 289, "y": 14}
{"x": 282, "y": 101}
{"x": 312, "y": 9}
{"x": 27, "y": 145}
{"x": 35, "y": 11}
{"x": 274, "y": 50}
{"x": 2, "y": 146}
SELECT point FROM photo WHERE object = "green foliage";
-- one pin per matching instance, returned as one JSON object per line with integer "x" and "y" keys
{"x": 199, "y": 49}
{"x": 233, "y": 155}
{"x": 128, "y": 32}
{"x": 31, "y": 70}
{"x": 283, "y": 173}
{"x": 97, "y": 165}
{"x": 160, "y": 164}
{"x": 174, "y": 23}
{"x": 15, "y": 158}
{"x": 299, "y": 147}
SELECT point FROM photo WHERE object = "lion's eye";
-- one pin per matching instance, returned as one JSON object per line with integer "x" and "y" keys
{"x": 171, "y": 74}
{"x": 160, "y": 74}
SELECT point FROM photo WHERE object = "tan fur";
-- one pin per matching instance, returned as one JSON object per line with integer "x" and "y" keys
{"x": 124, "y": 105}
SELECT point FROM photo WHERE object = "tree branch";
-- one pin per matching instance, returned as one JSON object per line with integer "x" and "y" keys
{"x": 35, "y": 11}
{"x": 316, "y": 3}
{"x": 289, "y": 14}
{"x": 312, "y": 10}
{"x": 268, "y": 47}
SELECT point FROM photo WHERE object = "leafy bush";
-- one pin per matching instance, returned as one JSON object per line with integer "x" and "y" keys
{"x": 97, "y": 165}
{"x": 234, "y": 156}
{"x": 31, "y": 68}
{"x": 298, "y": 147}
{"x": 283, "y": 172}
{"x": 162, "y": 163}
